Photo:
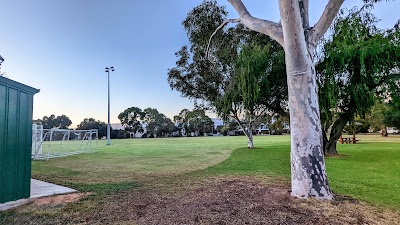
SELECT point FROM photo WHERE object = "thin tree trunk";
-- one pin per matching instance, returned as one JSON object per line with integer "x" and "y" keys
{"x": 307, "y": 159}
{"x": 249, "y": 134}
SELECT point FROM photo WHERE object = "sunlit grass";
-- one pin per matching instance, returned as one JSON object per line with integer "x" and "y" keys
{"x": 368, "y": 171}
{"x": 129, "y": 159}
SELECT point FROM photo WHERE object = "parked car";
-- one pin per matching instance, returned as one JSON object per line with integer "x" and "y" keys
{"x": 392, "y": 130}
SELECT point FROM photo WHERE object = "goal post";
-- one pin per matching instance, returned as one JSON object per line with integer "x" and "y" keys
{"x": 54, "y": 143}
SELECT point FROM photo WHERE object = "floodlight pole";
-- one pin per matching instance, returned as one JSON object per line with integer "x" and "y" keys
{"x": 108, "y": 124}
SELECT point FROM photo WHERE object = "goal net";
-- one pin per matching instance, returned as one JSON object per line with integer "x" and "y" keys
{"x": 54, "y": 143}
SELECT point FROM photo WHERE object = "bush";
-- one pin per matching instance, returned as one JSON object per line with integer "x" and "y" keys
{"x": 224, "y": 131}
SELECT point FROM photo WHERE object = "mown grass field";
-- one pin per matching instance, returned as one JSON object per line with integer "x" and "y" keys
{"x": 368, "y": 171}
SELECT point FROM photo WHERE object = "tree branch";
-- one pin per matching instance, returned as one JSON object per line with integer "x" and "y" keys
{"x": 303, "y": 5}
{"x": 272, "y": 29}
{"x": 216, "y": 30}
{"x": 327, "y": 17}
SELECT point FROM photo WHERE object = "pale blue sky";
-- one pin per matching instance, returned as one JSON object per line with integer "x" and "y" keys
{"x": 62, "y": 47}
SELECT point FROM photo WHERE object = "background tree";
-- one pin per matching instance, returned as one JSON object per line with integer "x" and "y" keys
{"x": 180, "y": 121}
{"x": 166, "y": 127}
{"x": 376, "y": 115}
{"x": 358, "y": 59}
{"x": 48, "y": 122}
{"x": 216, "y": 83}
{"x": 220, "y": 129}
{"x": 157, "y": 123}
{"x": 90, "y": 123}
{"x": 392, "y": 114}
{"x": 277, "y": 123}
{"x": 198, "y": 122}
{"x": 131, "y": 119}
{"x": 256, "y": 88}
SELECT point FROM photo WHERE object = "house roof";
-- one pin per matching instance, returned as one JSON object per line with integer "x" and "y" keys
{"x": 117, "y": 126}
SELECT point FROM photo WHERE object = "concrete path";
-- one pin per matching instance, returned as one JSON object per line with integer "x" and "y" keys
{"x": 38, "y": 189}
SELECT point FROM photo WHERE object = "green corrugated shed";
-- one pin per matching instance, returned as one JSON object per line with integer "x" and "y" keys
{"x": 16, "y": 105}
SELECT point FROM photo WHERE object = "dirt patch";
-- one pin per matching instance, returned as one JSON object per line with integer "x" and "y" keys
{"x": 59, "y": 199}
{"x": 235, "y": 201}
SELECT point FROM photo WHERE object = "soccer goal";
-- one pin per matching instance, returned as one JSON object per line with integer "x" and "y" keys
{"x": 54, "y": 143}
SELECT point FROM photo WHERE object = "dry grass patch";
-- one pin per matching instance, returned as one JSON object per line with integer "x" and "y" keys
{"x": 239, "y": 200}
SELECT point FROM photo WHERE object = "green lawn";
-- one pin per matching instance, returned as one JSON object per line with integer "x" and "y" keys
{"x": 368, "y": 171}
{"x": 136, "y": 161}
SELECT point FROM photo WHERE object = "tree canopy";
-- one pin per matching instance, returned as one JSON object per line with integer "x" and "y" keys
{"x": 358, "y": 59}
{"x": 218, "y": 72}
{"x": 131, "y": 119}
{"x": 91, "y": 123}
{"x": 198, "y": 122}
{"x": 48, "y": 122}
{"x": 157, "y": 123}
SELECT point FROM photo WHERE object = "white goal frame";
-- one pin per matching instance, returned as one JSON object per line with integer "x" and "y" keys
{"x": 45, "y": 144}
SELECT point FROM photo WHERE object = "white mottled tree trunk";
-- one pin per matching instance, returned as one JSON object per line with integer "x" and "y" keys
{"x": 250, "y": 143}
{"x": 307, "y": 158}
{"x": 249, "y": 134}
{"x": 247, "y": 130}
{"x": 298, "y": 39}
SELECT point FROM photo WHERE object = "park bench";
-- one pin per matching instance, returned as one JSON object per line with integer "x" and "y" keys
{"x": 348, "y": 140}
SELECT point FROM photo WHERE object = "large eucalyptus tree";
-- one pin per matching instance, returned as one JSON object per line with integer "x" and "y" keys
{"x": 299, "y": 40}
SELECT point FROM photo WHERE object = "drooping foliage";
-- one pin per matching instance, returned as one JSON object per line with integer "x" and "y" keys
{"x": 227, "y": 79}
{"x": 358, "y": 58}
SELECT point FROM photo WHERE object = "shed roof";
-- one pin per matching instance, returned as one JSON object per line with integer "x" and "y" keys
{"x": 16, "y": 85}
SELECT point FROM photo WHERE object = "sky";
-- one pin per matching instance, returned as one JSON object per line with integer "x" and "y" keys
{"x": 62, "y": 47}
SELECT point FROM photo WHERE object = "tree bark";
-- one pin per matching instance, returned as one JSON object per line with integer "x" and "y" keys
{"x": 336, "y": 132}
{"x": 249, "y": 134}
{"x": 307, "y": 160}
